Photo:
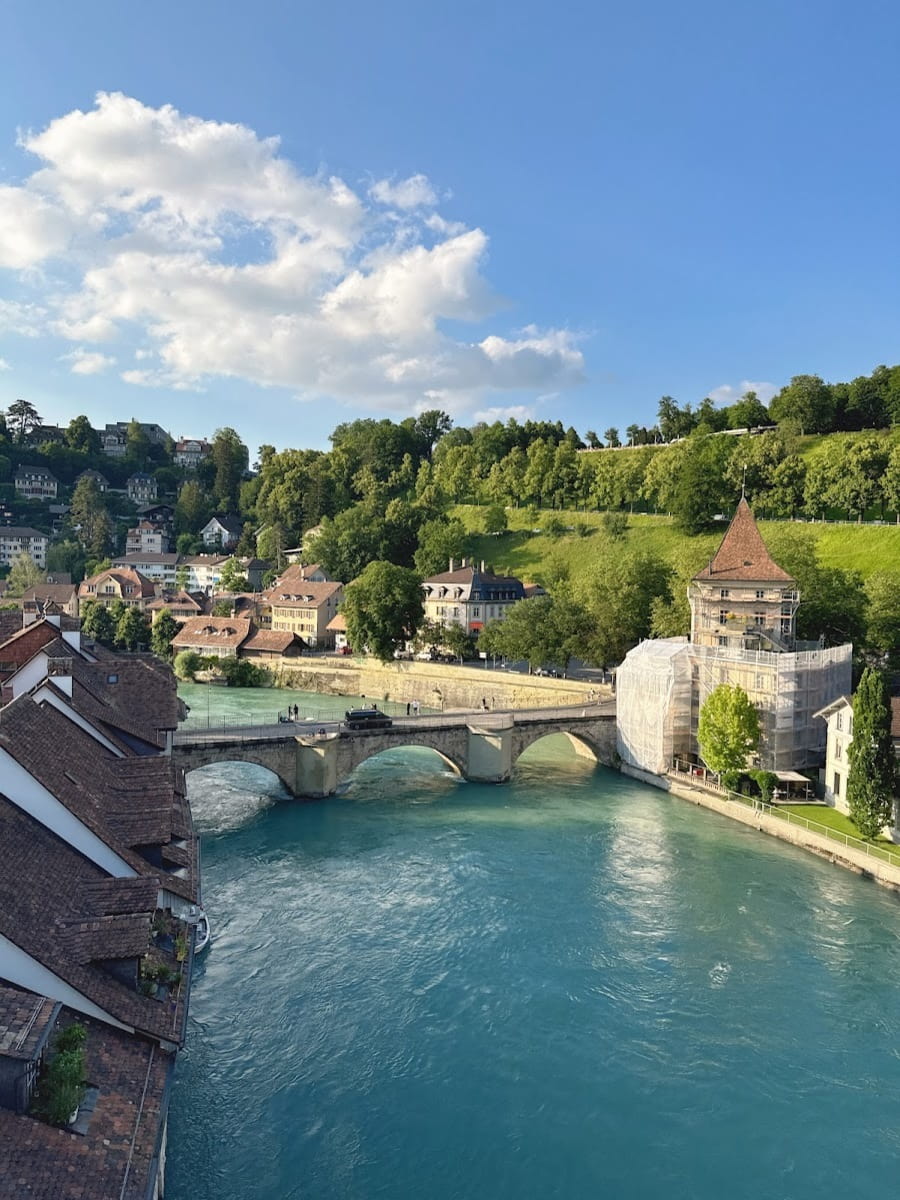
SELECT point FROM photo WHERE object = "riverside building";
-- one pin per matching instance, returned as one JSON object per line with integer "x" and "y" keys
{"x": 743, "y": 632}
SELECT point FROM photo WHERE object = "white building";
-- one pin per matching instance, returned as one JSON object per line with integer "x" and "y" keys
{"x": 36, "y": 483}
{"x": 221, "y": 532}
{"x": 838, "y": 717}
{"x": 21, "y": 539}
{"x": 160, "y": 567}
{"x": 190, "y": 452}
{"x": 470, "y": 596}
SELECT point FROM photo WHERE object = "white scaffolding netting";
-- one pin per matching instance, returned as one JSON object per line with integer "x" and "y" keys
{"x": 653, "y": 704}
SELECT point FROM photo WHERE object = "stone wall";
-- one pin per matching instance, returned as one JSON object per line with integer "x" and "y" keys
{"x": 434, "y": 685}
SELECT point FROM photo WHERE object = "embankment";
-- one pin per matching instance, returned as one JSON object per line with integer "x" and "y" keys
{"x": 434, "y": 685}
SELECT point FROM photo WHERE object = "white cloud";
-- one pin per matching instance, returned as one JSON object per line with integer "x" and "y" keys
{"x": 729, "y": 394}
{"x": 206, "y": 252}
{"x": 88, "y": 362}
{"x": 4, "y": 365}
{"x": 415, "y": 192}
{"x": 511, "y": 412}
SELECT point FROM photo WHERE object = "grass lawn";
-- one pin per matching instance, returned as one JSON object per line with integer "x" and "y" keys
{"x": 522, "y": 552}
{"x": 841, "y": 823}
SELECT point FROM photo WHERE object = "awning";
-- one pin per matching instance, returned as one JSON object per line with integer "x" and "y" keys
{"x": 792, "y": 777}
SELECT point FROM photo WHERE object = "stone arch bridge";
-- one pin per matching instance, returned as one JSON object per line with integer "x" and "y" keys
{"x": 482, "y": 747}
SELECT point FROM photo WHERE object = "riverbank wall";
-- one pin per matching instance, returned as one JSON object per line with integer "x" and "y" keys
{"x": 435, "y": 685}
{"x": 849, "y": 857}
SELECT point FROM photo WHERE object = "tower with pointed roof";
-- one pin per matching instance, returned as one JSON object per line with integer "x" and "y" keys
{"x": 742, "y": 598}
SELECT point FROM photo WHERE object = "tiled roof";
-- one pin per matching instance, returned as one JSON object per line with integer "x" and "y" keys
{"x": 209, "y": 632}
{"x": 45, "y": 898}
{"x": 114, "y": 1158}
{"x": 743, "y": 553}
{"x": 133, "y": 561}
{"x": 337, "y": 624}
{"x": 124, "y": 577}
{"x": 24, "y": 1018}
{"x": 20, "y": 531}
{"x": 301, "y": 593}
{"x": 22, "y": 646}
{"x": 274, "y": 640}
{"x": 57, "y": 593}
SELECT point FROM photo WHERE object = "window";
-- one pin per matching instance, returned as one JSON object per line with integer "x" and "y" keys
{"x": 760, "y": 594}
{"x": 724, "y": 594}
{"x": 723, "y": 616}
{"x": 723, "y": 641}
{"x": 759, "y": 619}
{"x": 839, "y": 720}
{"x": 838, "y": 750}
{"x": 836, "y": 784}
{"x": 476, "y": 611}
{"x": 112, "y": 679}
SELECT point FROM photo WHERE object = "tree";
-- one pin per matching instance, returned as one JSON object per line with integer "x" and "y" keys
{"x": 458, "y": 641}
{"x": 618, "y": 595}
{"x": 187, "y": 664}
{"x": 164, "y": 629}
{"x": 592, "y": 440}
{"x": 382, "y": 607}
{"x": 230, "y": 458}
{"x": 872, "y": 778}
{"x": 89, "y": 515}
{"x": 611, "y": 436}
{"x": 543, "y": 630}
{"x": 131, "y": 629}
{"x": 81, "y": 436}
{"x": 192, "y": 508}
{"x": 271, "y": 544}
{"x": 65, "y": 557}
{"x": 883, "y": 616}
{"x": 137, "y": 445}
{"x": 24, "y": 573}
{"x": 728, "y": 731}
{"x": 97, "y": 622}
{"x": 494, "y": 519}
{"x": 21, "y": 418}
{"x": 748, "y": 413}
{"x": 439, "y": 542}
{"x": 808, "y": 402}
{"x": 232, "y": 578}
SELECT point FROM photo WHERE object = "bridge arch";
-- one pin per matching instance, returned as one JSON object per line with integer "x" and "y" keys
{"x": 582, "y": 743}
{"x": 366, "y": 752}
{"x": 281, "y": 766}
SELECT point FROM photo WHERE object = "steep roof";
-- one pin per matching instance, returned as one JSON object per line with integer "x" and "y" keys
{"x": 217, "y": 632}
{"x": 743, "y": 553}
{"x": 301, "y": 593}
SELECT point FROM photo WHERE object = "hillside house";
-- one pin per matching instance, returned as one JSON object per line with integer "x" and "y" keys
{"x": 222, "y": 532}
{"x": 101, "y": 481}
{"x": 190, "y": 452}
{"x": 144, "y": 538}
{"x": 838, "y": 718}
{"x": 142, "y": 488}
{"x": 36, "y": 483}
{"x": 305, "y": 609}
{"x": 470, "y": 596}
{"x": 118, "y": 583}
{"x": 22, "y": 539}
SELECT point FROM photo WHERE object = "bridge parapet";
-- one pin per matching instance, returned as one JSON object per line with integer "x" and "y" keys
{"x": 482, "y": 747}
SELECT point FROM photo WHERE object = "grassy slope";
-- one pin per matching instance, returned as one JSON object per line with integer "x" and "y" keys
{"x": 526, "y": 554}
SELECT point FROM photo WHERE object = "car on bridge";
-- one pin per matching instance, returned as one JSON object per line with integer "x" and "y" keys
{"x": 366, "y": 718}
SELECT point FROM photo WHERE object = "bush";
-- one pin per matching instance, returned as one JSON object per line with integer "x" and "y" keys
{"x": 187, "y": 664}
{"x": 615, "y": 525}
{"x": 62, "y": 1084}
{"x": 554, "y": 527}
{"x": 765, "y": 781}
{"x": 241, "y": 673}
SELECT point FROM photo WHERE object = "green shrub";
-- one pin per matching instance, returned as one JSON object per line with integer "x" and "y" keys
{"x": 187, "y": 664}
{"x": 62, "y": 1085}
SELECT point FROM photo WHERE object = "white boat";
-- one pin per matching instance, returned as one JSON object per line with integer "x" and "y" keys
{"x": 203, "y": 934}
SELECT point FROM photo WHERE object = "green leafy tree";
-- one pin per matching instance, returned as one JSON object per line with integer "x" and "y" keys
{"x": 137, "y": 445}
{"x": 21, "y": 419}
{"x": 187, "y": 663}
{"x": 728, "y": 731}
{"x": 222, "y": 608}
{"x": 618, "y": 594}
{"x": 440, "y": 541}
{"x": 89, "y": 515}
{"x": 164, "y": 628}
{"x": 494, "y": 520}
{"x": 543, "y": 630}
{"x": 611, "y": 437}
{"x": 808, "y": 402}
{"x": 192, "y": 508}
{"x": 382, "y": 607}
{"x": 748, "y": 413}
{"x": 232, "y": 578}
{"x": 66, "y": 557}
{"x": 457, "y": 640}
{"x": 271, "y": 544}
{"x": 883, "y": 616}
{"x": 132, "y": 630}
{"x": 872, "y": 778}
{"x": 81, "y": 436}
{"x": 230, "y": 458}
{"x": 97, "y": 622}
{"x": 24, "y": 573}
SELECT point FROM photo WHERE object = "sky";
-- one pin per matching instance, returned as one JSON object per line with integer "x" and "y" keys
{"x": 279, "y": 216}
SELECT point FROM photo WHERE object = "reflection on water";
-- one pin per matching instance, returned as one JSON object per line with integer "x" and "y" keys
{"x": 570, "y": 986}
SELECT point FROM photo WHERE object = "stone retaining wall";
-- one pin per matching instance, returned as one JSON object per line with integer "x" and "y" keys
{"x": 434, "y": 685}
{"x": 845, "y": 856}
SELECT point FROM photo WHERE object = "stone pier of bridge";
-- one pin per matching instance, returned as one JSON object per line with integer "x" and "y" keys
{"x": 481, "y": 750}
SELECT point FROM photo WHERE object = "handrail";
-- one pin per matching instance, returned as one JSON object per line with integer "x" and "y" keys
{"x": 826, "y": 831}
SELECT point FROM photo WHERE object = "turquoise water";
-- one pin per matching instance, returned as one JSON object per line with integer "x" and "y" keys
{"x": 571, "y": 986}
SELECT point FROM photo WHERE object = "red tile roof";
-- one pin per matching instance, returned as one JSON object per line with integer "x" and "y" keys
{"x": 212, "y": 633}
{"x": 743, "y": 553}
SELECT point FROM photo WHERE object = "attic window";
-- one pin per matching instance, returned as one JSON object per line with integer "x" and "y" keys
{"x": 112, "y": 679}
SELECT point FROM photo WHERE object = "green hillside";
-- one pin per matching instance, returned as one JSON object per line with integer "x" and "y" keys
{"x": 532, "y": 555}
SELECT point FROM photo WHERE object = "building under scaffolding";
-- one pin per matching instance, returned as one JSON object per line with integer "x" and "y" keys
{"x": 743, "y": 613}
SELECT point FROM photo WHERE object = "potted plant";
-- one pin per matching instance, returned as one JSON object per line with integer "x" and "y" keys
{"x": 62, "y": 1086}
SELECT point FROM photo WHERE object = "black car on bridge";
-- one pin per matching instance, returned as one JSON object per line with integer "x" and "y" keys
{"x": 366, "y": 718}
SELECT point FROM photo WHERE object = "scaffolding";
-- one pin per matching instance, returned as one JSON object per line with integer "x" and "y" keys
{"x": 653, "y": 704}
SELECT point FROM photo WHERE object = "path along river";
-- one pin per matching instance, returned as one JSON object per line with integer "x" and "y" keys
{"x": 570, "y": 986}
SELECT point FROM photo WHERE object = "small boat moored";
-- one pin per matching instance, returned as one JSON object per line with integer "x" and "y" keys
{"x": 203, "y": 934}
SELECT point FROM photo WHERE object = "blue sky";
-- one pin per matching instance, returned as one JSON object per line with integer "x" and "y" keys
{"x": 560, "y": 210}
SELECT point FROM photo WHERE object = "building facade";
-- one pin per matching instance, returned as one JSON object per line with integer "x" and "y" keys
{"x": 743, "y": 633}
{"x": 470, "y": 596}
{"x": 22, "y": 539}
{"x": 142, "y": 488}
{"x": 36, "y": 483}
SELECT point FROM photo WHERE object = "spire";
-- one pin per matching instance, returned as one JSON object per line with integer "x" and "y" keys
{"x": 743, "y": 553}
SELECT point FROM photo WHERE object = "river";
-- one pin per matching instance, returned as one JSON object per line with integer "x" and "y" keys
{"x": 571, "y": 986}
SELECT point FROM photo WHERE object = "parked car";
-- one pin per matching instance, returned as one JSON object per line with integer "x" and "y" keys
{"x": 366, "y": 718}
